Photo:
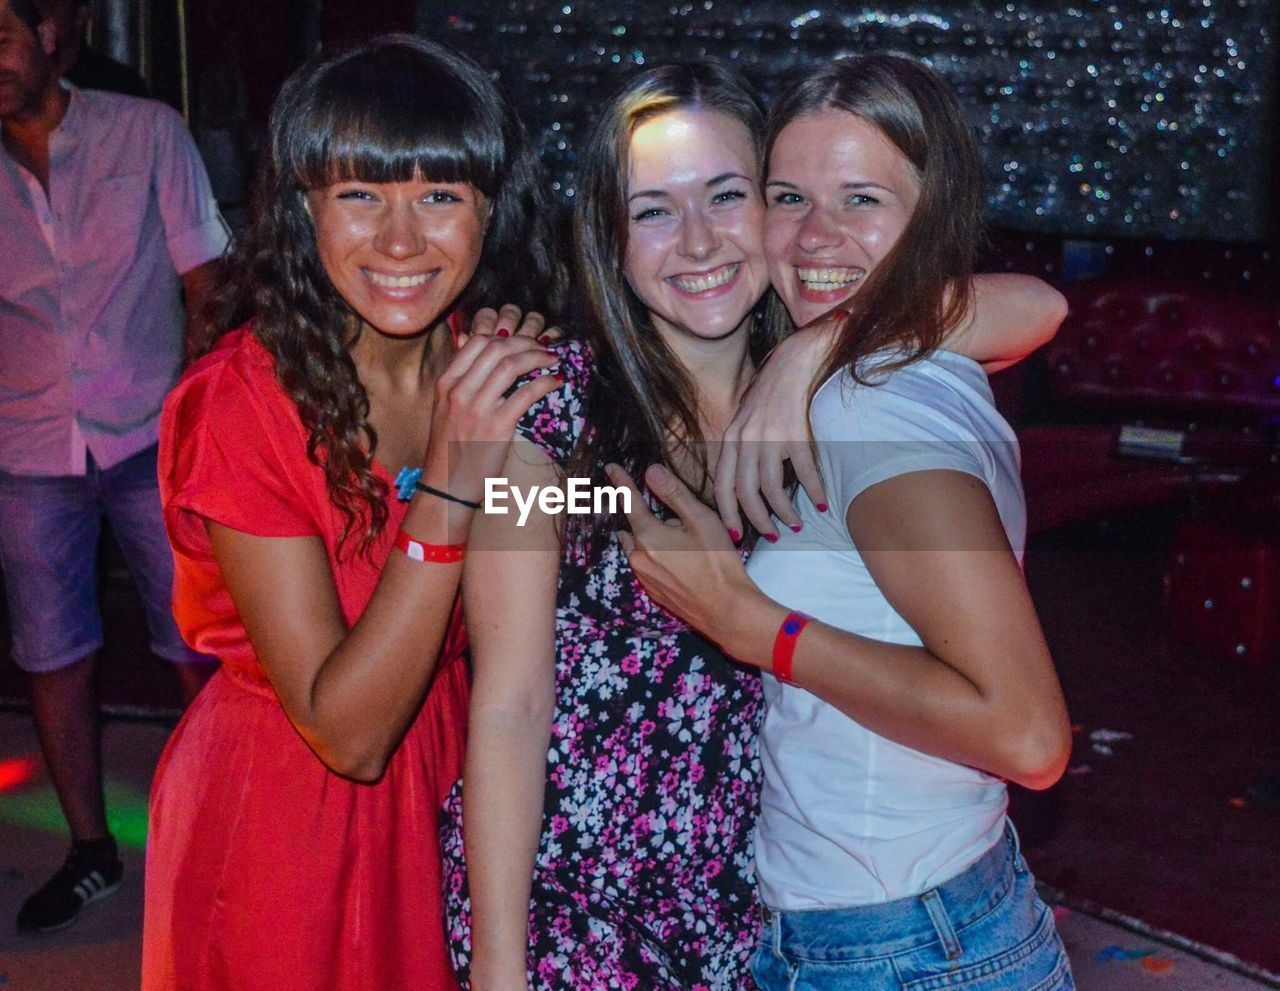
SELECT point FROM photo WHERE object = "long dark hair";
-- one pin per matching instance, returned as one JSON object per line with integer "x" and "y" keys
{"x": 385, "y": 111}
{"x": 641, "y": 408}
{"x": 922, "y": 288}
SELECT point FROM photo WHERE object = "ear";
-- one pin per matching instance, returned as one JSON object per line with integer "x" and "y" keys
{"x": 47, "y": 35}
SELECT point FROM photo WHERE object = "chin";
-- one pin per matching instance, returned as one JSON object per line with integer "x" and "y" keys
{"x": 398, "y": 326}
{"x": 717, "y": 329}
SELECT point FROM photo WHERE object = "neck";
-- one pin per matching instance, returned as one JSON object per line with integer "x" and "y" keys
{"x": 403, "y": 365}
{"x": 720, "y": 370}
{"x": 39, "y": 117}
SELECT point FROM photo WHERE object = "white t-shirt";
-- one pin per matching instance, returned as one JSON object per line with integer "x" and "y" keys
{"x": 848, "y": 817}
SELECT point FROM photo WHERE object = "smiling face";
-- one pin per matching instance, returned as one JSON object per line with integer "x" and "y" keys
{"x": 840, "y": 195}
{"x": 694, "y": 253}
{"x": 400, "y": 253}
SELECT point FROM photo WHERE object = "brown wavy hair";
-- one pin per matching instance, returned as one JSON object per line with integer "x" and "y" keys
{"x": 922, "y": 289}
{"x": 640, "y": 408}
{"x": 384, "y": 111}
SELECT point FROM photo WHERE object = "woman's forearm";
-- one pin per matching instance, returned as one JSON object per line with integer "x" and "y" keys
{"x": 502, "y": 820}
{"x": 912, "y": 696}
{"x": 351, "y": 693}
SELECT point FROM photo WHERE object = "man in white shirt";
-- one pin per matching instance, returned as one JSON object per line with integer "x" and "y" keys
{"x": 106, "y": 219}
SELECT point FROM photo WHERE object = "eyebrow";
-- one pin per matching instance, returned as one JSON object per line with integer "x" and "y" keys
{"x": 722, "y": 177}
{"x": 843, "y": 185}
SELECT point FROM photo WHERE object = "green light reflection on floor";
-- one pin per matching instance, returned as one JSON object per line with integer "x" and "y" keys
{"x": 38, "y": 808}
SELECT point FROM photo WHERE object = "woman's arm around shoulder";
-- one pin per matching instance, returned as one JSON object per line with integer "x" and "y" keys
{"x": 1010, "y": 317}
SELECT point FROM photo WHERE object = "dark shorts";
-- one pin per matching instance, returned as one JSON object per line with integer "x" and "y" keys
{"x": 49, "y": 530}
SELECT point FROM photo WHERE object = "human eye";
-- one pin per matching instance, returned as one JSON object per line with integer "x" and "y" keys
{"x": 862, "y": 199}
{"x": 786, "y": 197}
{"x": 648, "y": 213}
{"x": 442, "y": 196}
{"x": 729, "y": 196}
{"x": 355, "y": 194}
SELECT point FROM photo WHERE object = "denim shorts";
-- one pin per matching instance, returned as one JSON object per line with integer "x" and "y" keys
{"x": 983, "y": 930}
{"x": 49, "y": 530}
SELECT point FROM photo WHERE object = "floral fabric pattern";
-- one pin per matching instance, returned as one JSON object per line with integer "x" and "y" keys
{"x": 644, "y": 873}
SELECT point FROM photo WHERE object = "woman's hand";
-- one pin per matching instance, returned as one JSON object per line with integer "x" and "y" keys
{"x": 770, "y": 428}
{"x": 475, "y": 414}
{"x": 511, "y": 321}
{"x": 688, "y": 565}
{"x": 1012, "y": 316}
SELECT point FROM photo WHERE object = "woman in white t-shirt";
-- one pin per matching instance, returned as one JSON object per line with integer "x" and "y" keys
{"x": 922, "y": 681}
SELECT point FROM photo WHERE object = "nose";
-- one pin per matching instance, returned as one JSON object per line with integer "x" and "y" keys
{"x": 698, "y": 238}
{"x": 399, "y": 234}
{"x": 817, "y": 231}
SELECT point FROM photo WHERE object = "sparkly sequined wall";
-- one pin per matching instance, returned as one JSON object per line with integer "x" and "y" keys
{"x": 1127, "y": 119}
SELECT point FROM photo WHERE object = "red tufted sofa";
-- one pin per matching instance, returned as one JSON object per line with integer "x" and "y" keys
{"x": 1201, "y": 363}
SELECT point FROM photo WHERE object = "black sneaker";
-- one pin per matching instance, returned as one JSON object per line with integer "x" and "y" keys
{"x": 93, "y": 871}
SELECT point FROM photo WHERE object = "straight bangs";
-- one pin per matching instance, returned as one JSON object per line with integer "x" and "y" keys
{"x": 386, "y": 114}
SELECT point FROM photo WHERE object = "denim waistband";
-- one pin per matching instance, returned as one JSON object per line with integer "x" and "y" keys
{"x": 867, "y": 931}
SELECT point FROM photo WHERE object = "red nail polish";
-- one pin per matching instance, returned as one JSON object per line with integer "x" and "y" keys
{"x": 560, "y": 378}
{"x": 734, "y": 535}
{"x": 822, "y": 507}
{"x": 544, "y": 340}
{"x": 503, "y": 332}
{"x": 771, "y": 537}
{"x": 797, "y": 528}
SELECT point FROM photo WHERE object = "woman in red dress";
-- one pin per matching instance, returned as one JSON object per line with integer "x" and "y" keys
{"x": 293, "y": 815}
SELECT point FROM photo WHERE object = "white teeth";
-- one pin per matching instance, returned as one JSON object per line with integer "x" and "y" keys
{"x": 829, "y": 279}
{"x": 701, "y": 283}
{"x": 398, "y": 282}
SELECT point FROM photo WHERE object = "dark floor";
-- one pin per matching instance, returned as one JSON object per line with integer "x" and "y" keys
{"x": 1159, "y": 828}
{"x": 1156, "y": 830}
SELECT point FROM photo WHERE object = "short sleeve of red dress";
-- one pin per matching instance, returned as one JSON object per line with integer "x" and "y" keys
{"x": 230, "y": 443}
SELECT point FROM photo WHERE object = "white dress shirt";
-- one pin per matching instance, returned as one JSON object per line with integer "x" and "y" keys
{"x": 91, "y": 316}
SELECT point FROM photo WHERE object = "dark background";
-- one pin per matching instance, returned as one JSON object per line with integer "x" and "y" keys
{"x": 1127, "y": 138}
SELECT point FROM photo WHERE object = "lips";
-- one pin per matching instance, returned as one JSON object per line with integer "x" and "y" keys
{"x": 697, "y": 283}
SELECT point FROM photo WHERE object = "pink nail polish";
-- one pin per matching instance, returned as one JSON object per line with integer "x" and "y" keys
{"x": 771, "y": 537}
{"x": 503, "y": 332}
{"x": 822, "y": 507}
{"x": 797, "y": 528}
{"x": 734, "y": 535}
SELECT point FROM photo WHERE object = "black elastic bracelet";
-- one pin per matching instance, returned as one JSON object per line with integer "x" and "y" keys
{"x": 440, "y": 494}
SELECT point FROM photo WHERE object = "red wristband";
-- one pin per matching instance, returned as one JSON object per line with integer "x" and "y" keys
{"x": 416, "y": 550}
{"x": 784, "y": 645}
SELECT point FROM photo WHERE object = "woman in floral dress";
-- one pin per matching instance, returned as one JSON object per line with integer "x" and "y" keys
{"x": 642, "y": 866}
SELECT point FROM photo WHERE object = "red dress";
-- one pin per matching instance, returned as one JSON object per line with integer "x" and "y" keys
{"x": 266, "y": 871}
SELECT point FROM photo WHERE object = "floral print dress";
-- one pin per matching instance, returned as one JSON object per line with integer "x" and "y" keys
{"x": 644, "y": 875}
